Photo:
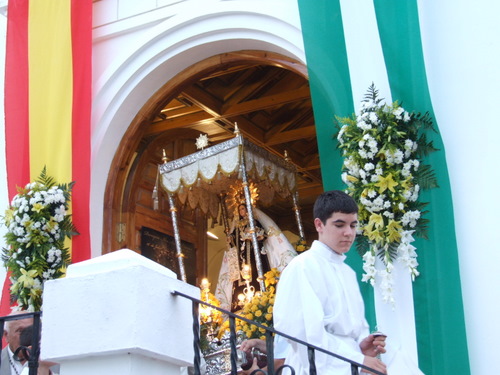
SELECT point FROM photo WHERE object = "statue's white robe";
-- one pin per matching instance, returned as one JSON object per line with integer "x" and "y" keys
{"x": 277, "y": 247}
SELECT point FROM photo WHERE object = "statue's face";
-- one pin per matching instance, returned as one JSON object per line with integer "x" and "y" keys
{"x": 242, "y": 210}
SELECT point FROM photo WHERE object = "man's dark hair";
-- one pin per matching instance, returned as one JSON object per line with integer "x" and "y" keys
{"x": 333, "y": 201}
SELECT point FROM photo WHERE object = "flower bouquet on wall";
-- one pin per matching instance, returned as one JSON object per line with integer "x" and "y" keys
{"x": 383, "y": 148}
{"x": 37, "y": 224}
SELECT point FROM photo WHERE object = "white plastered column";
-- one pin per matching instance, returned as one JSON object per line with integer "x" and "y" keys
{"x": 115, "y": 314}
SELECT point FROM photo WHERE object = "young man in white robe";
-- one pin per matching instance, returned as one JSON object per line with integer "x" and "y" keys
{"x": 318, "y": 298}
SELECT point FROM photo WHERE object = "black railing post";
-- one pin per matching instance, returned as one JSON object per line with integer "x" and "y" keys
{"x": 35, "y": 346}
{"x": 270, "y": 352}
{"x": 232, "y": 344}
{"x": 196, "y": 338}
{"x": 354, "y": 369}
{"x": 312, "y": 360}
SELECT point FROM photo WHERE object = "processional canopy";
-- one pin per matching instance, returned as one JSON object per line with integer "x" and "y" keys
{"x": 198, "y": 179}
{"x": 236, "y": 170}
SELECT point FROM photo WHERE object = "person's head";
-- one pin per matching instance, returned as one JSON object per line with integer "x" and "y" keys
{"x": 25, "y": 342}
{"x": 13, "y": 329}
{"x": 336, "y": 219}
{"x": 242, "y": 210}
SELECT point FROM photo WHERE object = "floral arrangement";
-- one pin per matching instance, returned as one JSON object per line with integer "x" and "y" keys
{"x": 301, "y": 245}
{"x": 37, "y": 224}
{"x": 383, "y": 148}
{"x": 260, "y": 308}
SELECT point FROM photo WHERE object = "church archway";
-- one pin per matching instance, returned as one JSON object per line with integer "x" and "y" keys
{"x": 267, "y": 94}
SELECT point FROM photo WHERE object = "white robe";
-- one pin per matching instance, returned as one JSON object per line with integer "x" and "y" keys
{"x": 318, "y": 301}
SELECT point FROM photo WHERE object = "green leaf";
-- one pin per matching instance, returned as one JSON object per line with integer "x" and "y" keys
{"x": 426, "y": 177}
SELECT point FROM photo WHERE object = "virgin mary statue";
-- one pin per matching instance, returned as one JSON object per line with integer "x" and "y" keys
{"x": 274, "y": 249}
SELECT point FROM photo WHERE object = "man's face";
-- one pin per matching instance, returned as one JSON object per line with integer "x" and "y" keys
{"x": 338, "y": 232}
{"x": 15, "y": 328}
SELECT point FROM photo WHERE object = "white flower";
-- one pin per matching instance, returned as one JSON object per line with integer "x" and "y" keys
{"x": 369, "y": 267}
{"x": 373, "y": 118}
{"x": 60, "y": 212}
{"x": 341, "y": 134}
{"x": 388, "y": 214}
{"x": 386, "y": 285}
{"x": 363, "y": 125}
{"x": 410, "y": 218}
{"x": 398, "y": 112}
{"x": 368, "y": 167}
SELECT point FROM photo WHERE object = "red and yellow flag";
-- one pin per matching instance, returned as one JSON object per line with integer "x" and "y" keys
{"x": 48, "y": 101}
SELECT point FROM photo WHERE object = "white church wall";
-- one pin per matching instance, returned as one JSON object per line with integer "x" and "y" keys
{"x": 462, "y": 53}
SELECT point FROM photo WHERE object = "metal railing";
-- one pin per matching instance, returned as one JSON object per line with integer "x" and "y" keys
{"x": 32, "y": 353}
{"x": 311, "y": 349}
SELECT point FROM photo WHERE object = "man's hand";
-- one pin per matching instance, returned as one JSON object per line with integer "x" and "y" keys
{"x": 375, "y": 364}
{"x": 247, "y": 345}
{"x": 373, "y": 345}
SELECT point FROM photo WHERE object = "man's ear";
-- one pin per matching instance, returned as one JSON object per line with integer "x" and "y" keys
{"x": 318, "y": 224}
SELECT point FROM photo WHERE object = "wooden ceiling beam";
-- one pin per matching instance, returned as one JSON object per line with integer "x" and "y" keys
{"x": 267, "y": 102}
{"x": 179, "y": 122}
{"x": 203, "y": 100}
{"x": 292, "y": 135}
{"x": 310, "y": 191}
{"x": 242, "y": 86}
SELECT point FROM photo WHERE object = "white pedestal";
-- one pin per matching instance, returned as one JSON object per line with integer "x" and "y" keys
{"x": 115, "y": 314}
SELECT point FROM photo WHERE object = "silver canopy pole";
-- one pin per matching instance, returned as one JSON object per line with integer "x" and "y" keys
{"x": 296, "y": 209}
{"x": 255, "y": 243}
{"x": 180, "y": 256}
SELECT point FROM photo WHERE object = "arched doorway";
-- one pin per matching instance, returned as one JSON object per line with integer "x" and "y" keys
{"x": 267, "y": 94}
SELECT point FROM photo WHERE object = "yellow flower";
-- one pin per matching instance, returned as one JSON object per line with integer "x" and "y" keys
{"x": 270, "y": 309}
{"x": 258, "y": 313}
{"x": 269, "y": 317}
{"x": 374, "y": 235}
{"x": 9, "y": 216}
{"x": 27, "y": 277}
{"x": 37, "y": 207}
{"x": 393, "y": 230}
{"x": 376, "y": 220}
{"x": 385, "y": 183}
{"x": 249, "y": 316}
{"x": 352, "y": 178}
{"x": 254, "y": 308}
